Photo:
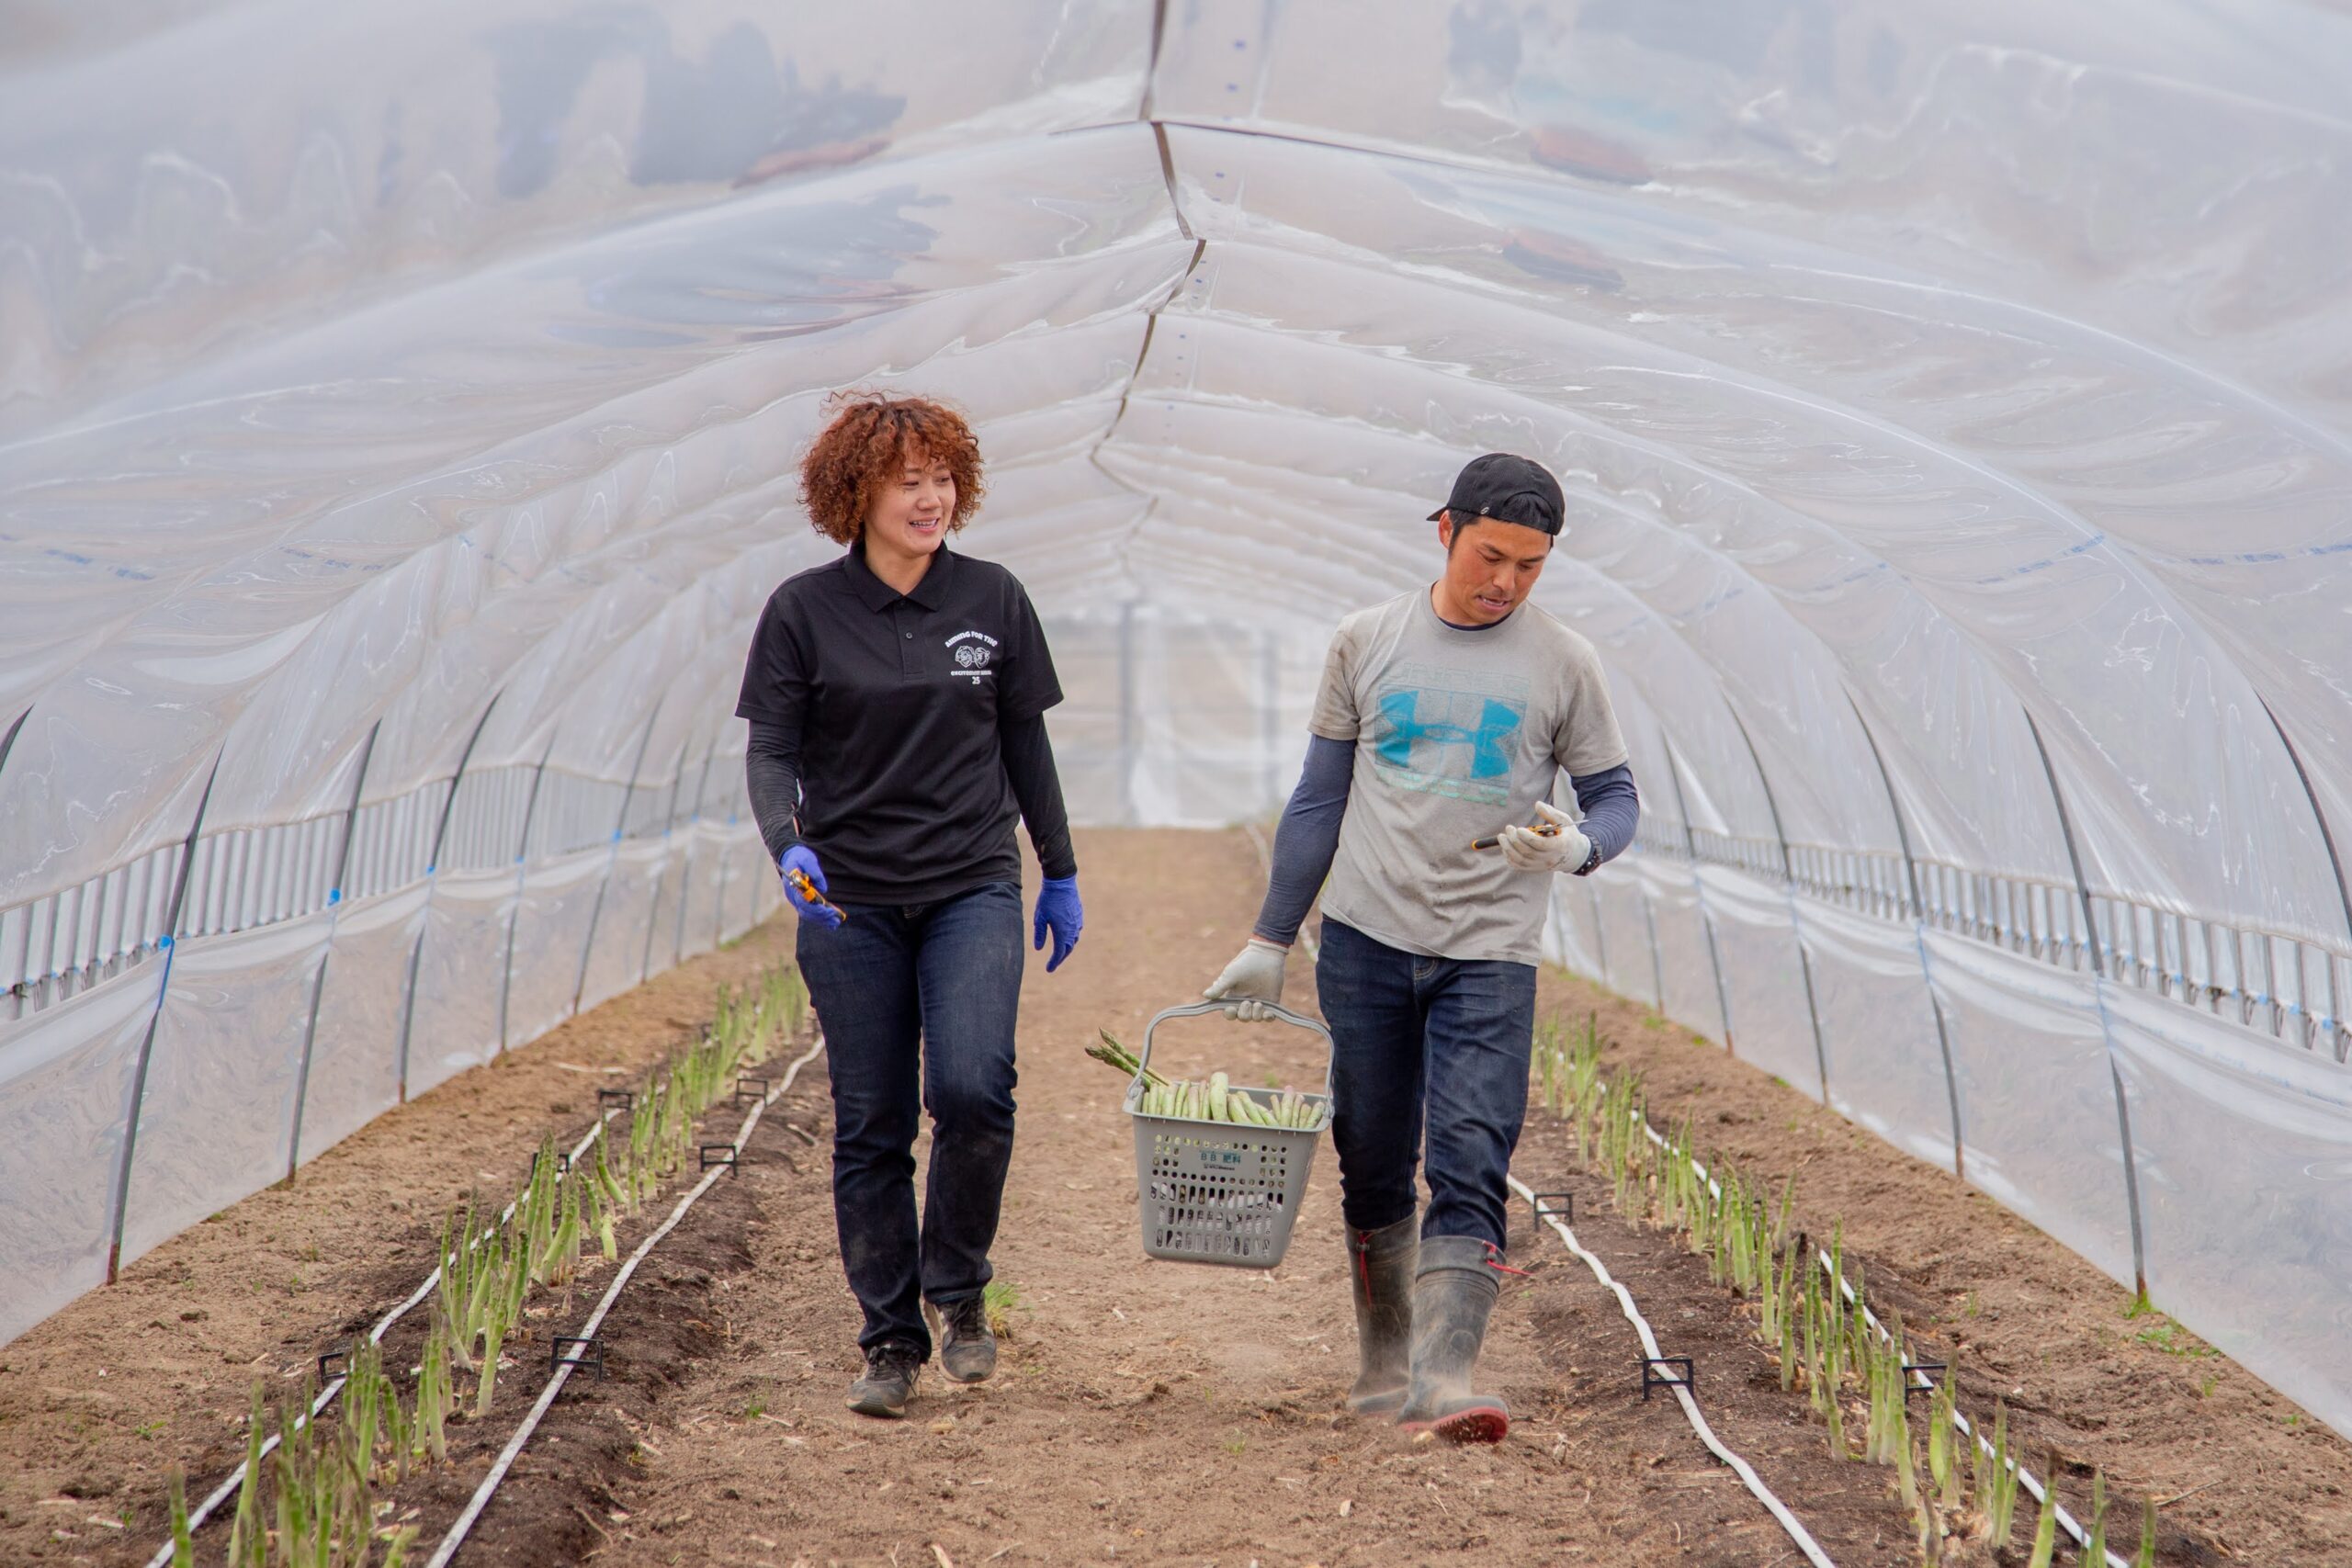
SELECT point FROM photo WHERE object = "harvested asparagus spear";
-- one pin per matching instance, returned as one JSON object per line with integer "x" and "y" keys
{"x": 1213, "y": 1100}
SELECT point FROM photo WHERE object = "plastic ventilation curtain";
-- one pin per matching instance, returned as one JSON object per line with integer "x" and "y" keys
{"x": 397, "y": 409}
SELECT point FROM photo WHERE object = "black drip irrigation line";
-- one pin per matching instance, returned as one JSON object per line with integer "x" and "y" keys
{"x": 220, "y": 1493}
{"x": 1788, "y": 1522}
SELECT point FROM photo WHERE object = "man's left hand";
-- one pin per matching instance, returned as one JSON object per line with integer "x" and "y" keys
{"x": 1060, "y": 913}
{"x": 1563, "y": 848}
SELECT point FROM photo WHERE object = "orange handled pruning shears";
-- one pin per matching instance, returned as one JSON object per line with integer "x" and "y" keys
{"x": 808, "y": 893}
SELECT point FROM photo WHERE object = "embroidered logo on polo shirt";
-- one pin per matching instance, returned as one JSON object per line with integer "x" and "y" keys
{"x": 972, "y": 651}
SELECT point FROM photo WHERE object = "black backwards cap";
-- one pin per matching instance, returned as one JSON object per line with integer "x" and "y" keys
{"x": 1505, "y": 489}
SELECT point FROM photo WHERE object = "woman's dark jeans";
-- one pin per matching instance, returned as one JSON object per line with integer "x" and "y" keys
{"x": 918, "y": 1004}
{"x": 1441, "y": 1040}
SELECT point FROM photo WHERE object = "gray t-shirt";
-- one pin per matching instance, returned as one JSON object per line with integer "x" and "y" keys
{"x": 1458, "y": 735}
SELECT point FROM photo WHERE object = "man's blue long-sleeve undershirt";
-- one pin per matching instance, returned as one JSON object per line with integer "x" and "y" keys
{"x": 1309, "y": 834}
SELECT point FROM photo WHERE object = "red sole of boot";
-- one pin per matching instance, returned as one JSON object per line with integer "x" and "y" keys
{"x": 1484, "y": 1425}
{"x": 1479, "y": 1424}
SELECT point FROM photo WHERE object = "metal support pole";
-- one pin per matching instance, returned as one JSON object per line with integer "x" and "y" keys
{"x": 1270, "y": 693}
{"x": 2098, "y": 994}
{"x": 522, "y": 877}
{"x": 432, "y": 870}
{"x": 596, "y": 911}
{"x": 1600, "y": 931}
{"x": 669, "y": 831}
{"x": 1657, "y": 968}
{"x": 686, "y": 880}
{"x": 1699, "y": 888}
{"x": 1127, "y": 724}
{"x": 718, "y": 894}
{"x": 122, "y": 1204}
{"x": 1918, "y": 936}
{"x": 318, "y": 981}
{"x": 1789, "y": 884}
{"x": 2335, "y": 1004}
{"x": 8, "y": 741}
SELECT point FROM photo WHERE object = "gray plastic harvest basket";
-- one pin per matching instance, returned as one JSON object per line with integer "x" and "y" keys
{"x": 1216, "y": 1192}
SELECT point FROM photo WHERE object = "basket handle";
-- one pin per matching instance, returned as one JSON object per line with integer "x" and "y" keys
{"x": 1199, "y": 1010}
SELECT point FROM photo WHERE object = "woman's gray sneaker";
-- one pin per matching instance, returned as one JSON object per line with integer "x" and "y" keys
{"x": 966, "y": 1347}
{"x": 888, "y": 1382}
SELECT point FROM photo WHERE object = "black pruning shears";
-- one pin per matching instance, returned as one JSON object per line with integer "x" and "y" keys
{"x": 810, "y": 895}
{"x": 1541, "y": 830}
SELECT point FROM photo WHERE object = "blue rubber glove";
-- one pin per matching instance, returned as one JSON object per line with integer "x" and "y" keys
{"x": 803, "y": 859}
{"x": 1058, "y": 911}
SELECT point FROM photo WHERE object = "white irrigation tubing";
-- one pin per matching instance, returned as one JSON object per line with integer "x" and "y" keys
{"x": 2025, "y": 1477}
{"x": 1747, "y": 1476}
{"x": 507, "y": 1456}
{"x": 1740, "y": 1467}
{"x": 220, "y": 1493}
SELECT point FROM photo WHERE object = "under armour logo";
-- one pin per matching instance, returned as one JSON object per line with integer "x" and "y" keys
{"x": 1485, "y": 727}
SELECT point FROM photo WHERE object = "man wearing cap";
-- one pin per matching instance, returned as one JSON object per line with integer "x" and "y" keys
{"x": 1446, "y": 715}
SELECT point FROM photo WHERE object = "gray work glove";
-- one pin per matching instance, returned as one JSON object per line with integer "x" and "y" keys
{"x": 1564, "y": 848}
{"x": 1251, "y": 982}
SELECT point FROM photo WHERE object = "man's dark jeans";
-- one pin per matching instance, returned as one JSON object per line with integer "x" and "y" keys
{"x": 1437, "y": 1041}
{"x": 918, "y": 1004}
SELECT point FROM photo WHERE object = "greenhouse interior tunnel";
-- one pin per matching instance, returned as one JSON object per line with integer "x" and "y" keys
{"x": 399, "y": 411}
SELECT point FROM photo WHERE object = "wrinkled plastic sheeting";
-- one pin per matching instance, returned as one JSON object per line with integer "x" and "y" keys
{"x": 1569, "y": 931}
{"x": 65, "y": 1088}
{"x": 1878, "y": 1025}
{"x": 738, "y": 890}
{"x": 1686, "y": 959}
{"x": 560, "y": 897}
{"x": 354, "y": 1049}
{"x": 2037, "y": 1095}
{"x": 217, "y": 1119}
{"x": 619, "y": 949}
{"x": 2244, "y": 1154}
{"x": 461, "y": 975}
{"x": 1764, "y": 981}
{"x": 1015, "y": 282}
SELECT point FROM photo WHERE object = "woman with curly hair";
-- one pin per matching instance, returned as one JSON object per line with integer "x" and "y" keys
{"x": 897, "y": 698}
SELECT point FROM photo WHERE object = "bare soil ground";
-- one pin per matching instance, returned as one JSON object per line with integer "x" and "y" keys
{"x": 1144, "y": 1412}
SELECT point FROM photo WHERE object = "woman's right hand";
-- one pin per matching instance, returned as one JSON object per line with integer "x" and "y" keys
{"x": 801, "y": 858}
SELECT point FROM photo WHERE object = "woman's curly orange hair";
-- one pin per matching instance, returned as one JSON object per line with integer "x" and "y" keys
{"x": 868, "y": 445}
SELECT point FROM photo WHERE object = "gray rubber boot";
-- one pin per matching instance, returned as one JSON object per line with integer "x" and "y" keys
{"x": 1454, "y": 1290}
{"x": 1380, "y": 1275}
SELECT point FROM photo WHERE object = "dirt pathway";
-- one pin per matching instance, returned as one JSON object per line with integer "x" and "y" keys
{"x": 1153, "y": 1412}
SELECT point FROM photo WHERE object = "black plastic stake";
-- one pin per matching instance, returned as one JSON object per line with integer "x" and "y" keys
{"x": 718, "y": 1154}
{"x": 1654, "y": 1378}
{"x": 1910, "y": 1388}
{"x": 616, "y": 1100}
{"x": 1566, "y": 1210}
{"x": 743, "y": 1093}
{"x": 562, "y": 1163}
{"x": 327, "y": 1369}
{"x": 585, "y": 1352}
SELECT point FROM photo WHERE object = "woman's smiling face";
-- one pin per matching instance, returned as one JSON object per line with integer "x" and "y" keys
{"x": 909, "y": 519}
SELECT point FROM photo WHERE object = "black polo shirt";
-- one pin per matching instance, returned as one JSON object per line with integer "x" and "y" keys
{"x": 897, "y": 699}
